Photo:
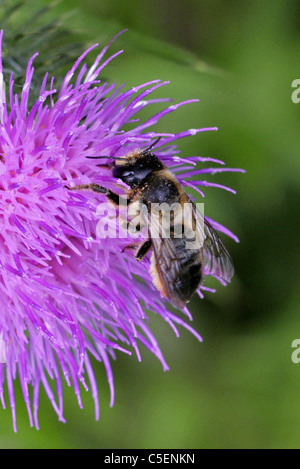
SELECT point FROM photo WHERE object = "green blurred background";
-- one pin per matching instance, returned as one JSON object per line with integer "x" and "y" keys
{"x": 239, "y": 389}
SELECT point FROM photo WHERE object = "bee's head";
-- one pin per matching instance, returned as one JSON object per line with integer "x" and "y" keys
{"x": 136, "y": 167}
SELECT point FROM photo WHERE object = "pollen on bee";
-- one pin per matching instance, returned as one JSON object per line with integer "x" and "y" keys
{"x": 132, "y": 155}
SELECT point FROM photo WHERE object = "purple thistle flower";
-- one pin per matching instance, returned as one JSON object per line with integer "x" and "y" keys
{"x": 67, "y": 295}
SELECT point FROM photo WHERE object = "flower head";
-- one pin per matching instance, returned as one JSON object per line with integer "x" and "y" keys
{"x": 66, "y": 294}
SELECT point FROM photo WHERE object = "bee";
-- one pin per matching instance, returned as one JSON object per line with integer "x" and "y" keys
{"x": 177, "y": 264}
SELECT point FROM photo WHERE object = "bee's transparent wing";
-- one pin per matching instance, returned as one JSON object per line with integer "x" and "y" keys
{"x": 216, "y": 258}
{"x": 176, "y": 264}
{"x": 165, "y": 268}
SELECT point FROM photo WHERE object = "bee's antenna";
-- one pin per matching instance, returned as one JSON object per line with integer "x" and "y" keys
{"x": 152, "y": 145}
{"x": 99, "y": 157}
{"x": 120, "y": 158}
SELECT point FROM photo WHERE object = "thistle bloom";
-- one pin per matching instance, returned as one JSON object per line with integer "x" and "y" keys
{"x": 67, "y": 295}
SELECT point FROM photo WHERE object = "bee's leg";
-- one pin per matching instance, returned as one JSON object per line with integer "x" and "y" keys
{"x": 143, "y": 249}
{"x": 127, "y": 226}
{"x": 114, "y": 198}
{"x": 131, "y": 247}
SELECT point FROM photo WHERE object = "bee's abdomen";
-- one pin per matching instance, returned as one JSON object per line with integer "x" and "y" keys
{"x": 190, "y": 274}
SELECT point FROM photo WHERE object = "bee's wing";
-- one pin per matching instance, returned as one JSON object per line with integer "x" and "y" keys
{"x": 165, "y": 265}
{"x": 165, "y": 269}
{"x": 216, "y": 258}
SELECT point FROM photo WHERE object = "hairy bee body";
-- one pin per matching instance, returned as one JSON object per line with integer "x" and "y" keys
{"x": 177, "y": 266}
{"x": 179, "y": 284}
{"x": 176, "y": 270}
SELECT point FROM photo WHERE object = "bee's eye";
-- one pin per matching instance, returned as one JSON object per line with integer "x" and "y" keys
{"x": 127, "y": 173}
{"x": 120, "y": 172}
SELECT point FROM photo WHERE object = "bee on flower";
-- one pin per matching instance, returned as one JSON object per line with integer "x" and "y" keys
{"x": 66, "y": 293}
